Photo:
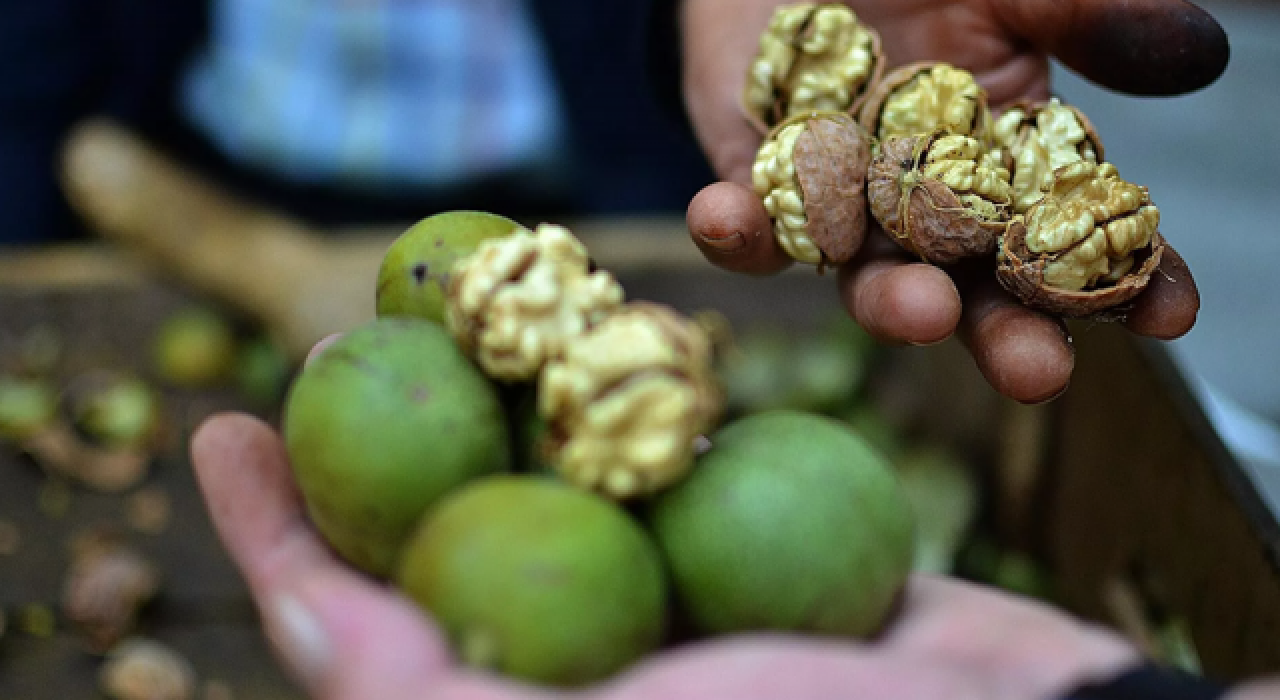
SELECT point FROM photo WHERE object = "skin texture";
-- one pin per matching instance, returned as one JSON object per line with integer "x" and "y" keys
{"x": 1146, "y": 47}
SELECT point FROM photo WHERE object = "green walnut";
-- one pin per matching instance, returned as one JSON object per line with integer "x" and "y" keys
{"x": 415, "y": 270}
{"x": 27, "y": 406}
{"x": 117, "y": 411}
{"x": 790, "y": 522}
{"x": 536, "y": 579}
{"x": 383, "y": 423}
{"x": 194, "y": 348}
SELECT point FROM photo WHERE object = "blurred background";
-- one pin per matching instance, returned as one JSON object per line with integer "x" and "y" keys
{"x": 1209, "y": 164}
{"x": 261, "y": 154}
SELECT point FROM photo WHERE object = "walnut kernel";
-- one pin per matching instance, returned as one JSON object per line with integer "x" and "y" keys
{"x": 628, "y": 399}
{"x": 1090, "y": 243}
{"x": 924, "y": 97}
{"x": 516, "y": 301}
{"x": 107, "y": 585}
{"x": 811, "y": 57}
{"x": 810, "y": 173}
{"x": 142, "y": 669}
{"x": 1040, "y": 138}
{"x": 941, "y": 195}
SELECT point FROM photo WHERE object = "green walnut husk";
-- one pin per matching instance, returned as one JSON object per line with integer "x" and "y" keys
{"x": 117, "y": 411}
{"x": 790, "y": 522}
{"x": 262, "y": 371}
{"x": 194, "y": 348}
{"x": 381, "y": 425}
{"x": 538, "y": 580}
{"x": 944, "y": 497}
{"x": 27, "y": 405}
{"x": 415, "y": 270}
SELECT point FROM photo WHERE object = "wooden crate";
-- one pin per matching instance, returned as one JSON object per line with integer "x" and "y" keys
{"x": 1120, "y": 488}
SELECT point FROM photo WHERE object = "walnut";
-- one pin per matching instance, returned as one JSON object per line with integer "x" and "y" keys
{"x": 812, "y": 57}
{"x": 27, "y": 406}
{"x": 142, "y": 669}
{"x": 811, "y": 173}
{"x": 516, "y": 301}
{"x": 60, "y": 451}
{"x": 1041, "y": 137}
{"x": 940, "y": 195}
{"x": 107, "y": 584}
{"x": 628, "y": 399}
{"x": 920, "y": 98}
{"x": 1091, "y": 243}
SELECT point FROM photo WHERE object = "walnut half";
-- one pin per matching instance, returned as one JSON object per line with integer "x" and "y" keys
{"x": 1091, "y": 243}
{"x": 515, "y": 302}
{"x": 811, "y": 57}
{"x": 811, "y": 173}
{"x": 1041, "y": 137}
{"x": 940, "y": 195}
{"x": 627, "y": 400}
{"x": 920, "y": 98}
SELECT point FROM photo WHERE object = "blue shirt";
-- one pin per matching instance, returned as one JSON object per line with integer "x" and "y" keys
{"x": 376, "y": 92}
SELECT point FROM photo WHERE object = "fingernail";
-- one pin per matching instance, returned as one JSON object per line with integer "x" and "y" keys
{"x": 297, "y": 633}
{"x": 320, "y": 346}
{"x": 731, "y": 243}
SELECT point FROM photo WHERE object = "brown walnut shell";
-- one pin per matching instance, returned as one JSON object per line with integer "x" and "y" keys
{"x": 830, "y": 162}
{"x": 871, "y": 106}
{"x": 780, "y": 104}
{"x": 832, "y": 158}
{"x": 934, "y": 224}
{"x": 1021, "y": 272}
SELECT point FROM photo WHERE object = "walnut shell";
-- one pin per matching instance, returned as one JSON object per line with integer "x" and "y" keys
{"x": 1021, "y": 272}
{"x": 1036, "y": 149}
{"x": 923, "y": 213}
{"x": 811, "y": 174}
{"x": 1089, "y": 245}
{"x": 961, "y": 109}
{"x": 804, "y": 64}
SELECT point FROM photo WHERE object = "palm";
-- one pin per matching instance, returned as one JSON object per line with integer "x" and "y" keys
{"x": 965, "y": 33}
{"x": 348, "y": 637}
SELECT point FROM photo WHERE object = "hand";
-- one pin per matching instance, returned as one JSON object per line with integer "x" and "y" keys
{"x": 345, "y": 636}
{"x": 1146, "y": 47}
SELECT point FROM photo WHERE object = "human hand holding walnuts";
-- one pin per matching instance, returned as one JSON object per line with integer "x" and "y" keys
{"x": 1153, "y": 47}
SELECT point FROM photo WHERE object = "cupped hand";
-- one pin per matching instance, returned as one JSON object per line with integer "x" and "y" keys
{"x": 1144, "y": 47}
{"x": 346, "y": 636}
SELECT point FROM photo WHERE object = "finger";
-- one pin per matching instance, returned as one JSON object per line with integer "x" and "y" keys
{"x": 1167, "y": 308}
{"x": 348, "y": 639}
{"x": 1142, "y": 47}
{"x": 719, "y": 41}
{"x": 342, "y": 635}
{"x": 320, "y": 346}
{"x": 897, "y": 299}
{"x": 243, "y": 471}
{"x": 730, "y": 226}
{"x": 1024, "y": 354}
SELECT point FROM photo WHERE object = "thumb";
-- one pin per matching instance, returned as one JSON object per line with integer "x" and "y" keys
{"x": 719, "y": 41}
{"x": 1139, "y": 47}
